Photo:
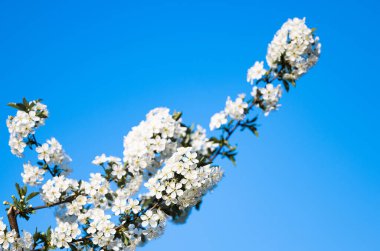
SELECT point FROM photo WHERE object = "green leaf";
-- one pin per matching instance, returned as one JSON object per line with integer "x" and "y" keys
{"x": 198, "y": 205}
{"x": 254, "y": 130}
{"x": 232, "y": 159}
{"x": 177, "y": 115}
{"x": 32, "y": 195}
{"x": 14, "y": 105}
{"x": 109, "y": 196}
{"x": 25, "y": 102}
{"x": 286, "y": 85}
{"x": 18, "y": 188}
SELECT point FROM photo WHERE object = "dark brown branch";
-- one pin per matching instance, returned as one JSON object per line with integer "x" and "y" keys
{"x": 13, "y": 220}
{"x": 67, "y": 200}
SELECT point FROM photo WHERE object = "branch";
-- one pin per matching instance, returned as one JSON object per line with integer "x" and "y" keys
{"x": 67, "y": 200}
{"x": 238, "y": 124}
{"x": 12, "y": 218}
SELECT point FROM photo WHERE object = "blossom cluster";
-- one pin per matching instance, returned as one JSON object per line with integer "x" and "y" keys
{"x": 111, "y": 164}
{"x": 29, "y": 116}
{"x": 148, "y": 144}
{"x": 153, "y": 223}
{"x": 292, "y": 52}
{"x": 32, "y": 175}
{"x": 53, "y": 153}
{"x": 181, "y": 181}
{"x": 101, "y": 228}
{"x": 57, "y": 188}
{"x": 234, "y": 110}
{"x": 10, "y": 241}
{"x": 96, "y": 189}
{"x": 294, "y": 48}
{"x": 64, "y": 233}
{"x": 200, "y": 143}
{"x": 255, "y": 72}
{"x": 267, "y": 97}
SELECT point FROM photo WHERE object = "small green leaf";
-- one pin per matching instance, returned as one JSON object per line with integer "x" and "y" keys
{"x": 286, "y": 85}
{"x": 177, "y": 116}
{"x": 14, "y": 105}
{"x": 32, "y": 195}
{"x": 25, "y": 102}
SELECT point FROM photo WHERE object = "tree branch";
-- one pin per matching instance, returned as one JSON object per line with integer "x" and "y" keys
{"x": 12, "y": 218}
{"x": 67, "y": 200}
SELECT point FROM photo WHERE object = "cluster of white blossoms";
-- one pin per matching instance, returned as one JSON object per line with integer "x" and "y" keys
{"x": 6, "y": 238}
{"x": 57, "y": 188}
{"x": 134, "y": 235}
{"x": 32, "y": 175}
{"x": 75, "y": 208}
{"x": 100, "y": 228}
{"x": 295, "y": 45}
{"x": 234, "y": 109}
{"x": 24, "y": 124}
{"x": 10, "y": 241}
{"x": 292, "y": 52}
{"x": 149, "y": 143}
{"x": 200, "y": 143}
{"x": 96, "y": 189}
{"x": 270, "y": 96}
{"x": 52, "y": 152}
{"x": 112, "y": 163}
{"x": 217, "y": 120}
{"x": 153, "y": 223}
{"x": 121, "y": 204}
{"x": 64, "y": 233}
{"x": 255, "y": 72}
{"x": 181, "y": 181}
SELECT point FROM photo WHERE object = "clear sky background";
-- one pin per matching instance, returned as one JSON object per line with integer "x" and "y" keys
{"x": 309, "y": 182}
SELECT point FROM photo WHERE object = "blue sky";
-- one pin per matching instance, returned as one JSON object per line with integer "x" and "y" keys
{"x": 309, "y": 182}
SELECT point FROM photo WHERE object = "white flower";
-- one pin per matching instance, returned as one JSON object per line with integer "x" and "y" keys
{"x": 43, "y": 152}
{"x": 271, "y": 96}
{"x": 6, "y": 239}
{"x": 174, "y": 189}
{"x": 27, "y": 241}
{"x": 118, "y": 171}
{"x": 217, "y": 120}
{"x": 119, "y": 205}
{"x": 149, "y": 218}
{"x": 155, "y": 189}
{"x": 32, "y": 175}
{"x": 64, "y": 233}
{"x": 134, "y": 206}
{"x": 235, "y": 109}
{"x": 100, "y": 159}
{"x": 255, "y": 72}
{"x": 3, "y": 227}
